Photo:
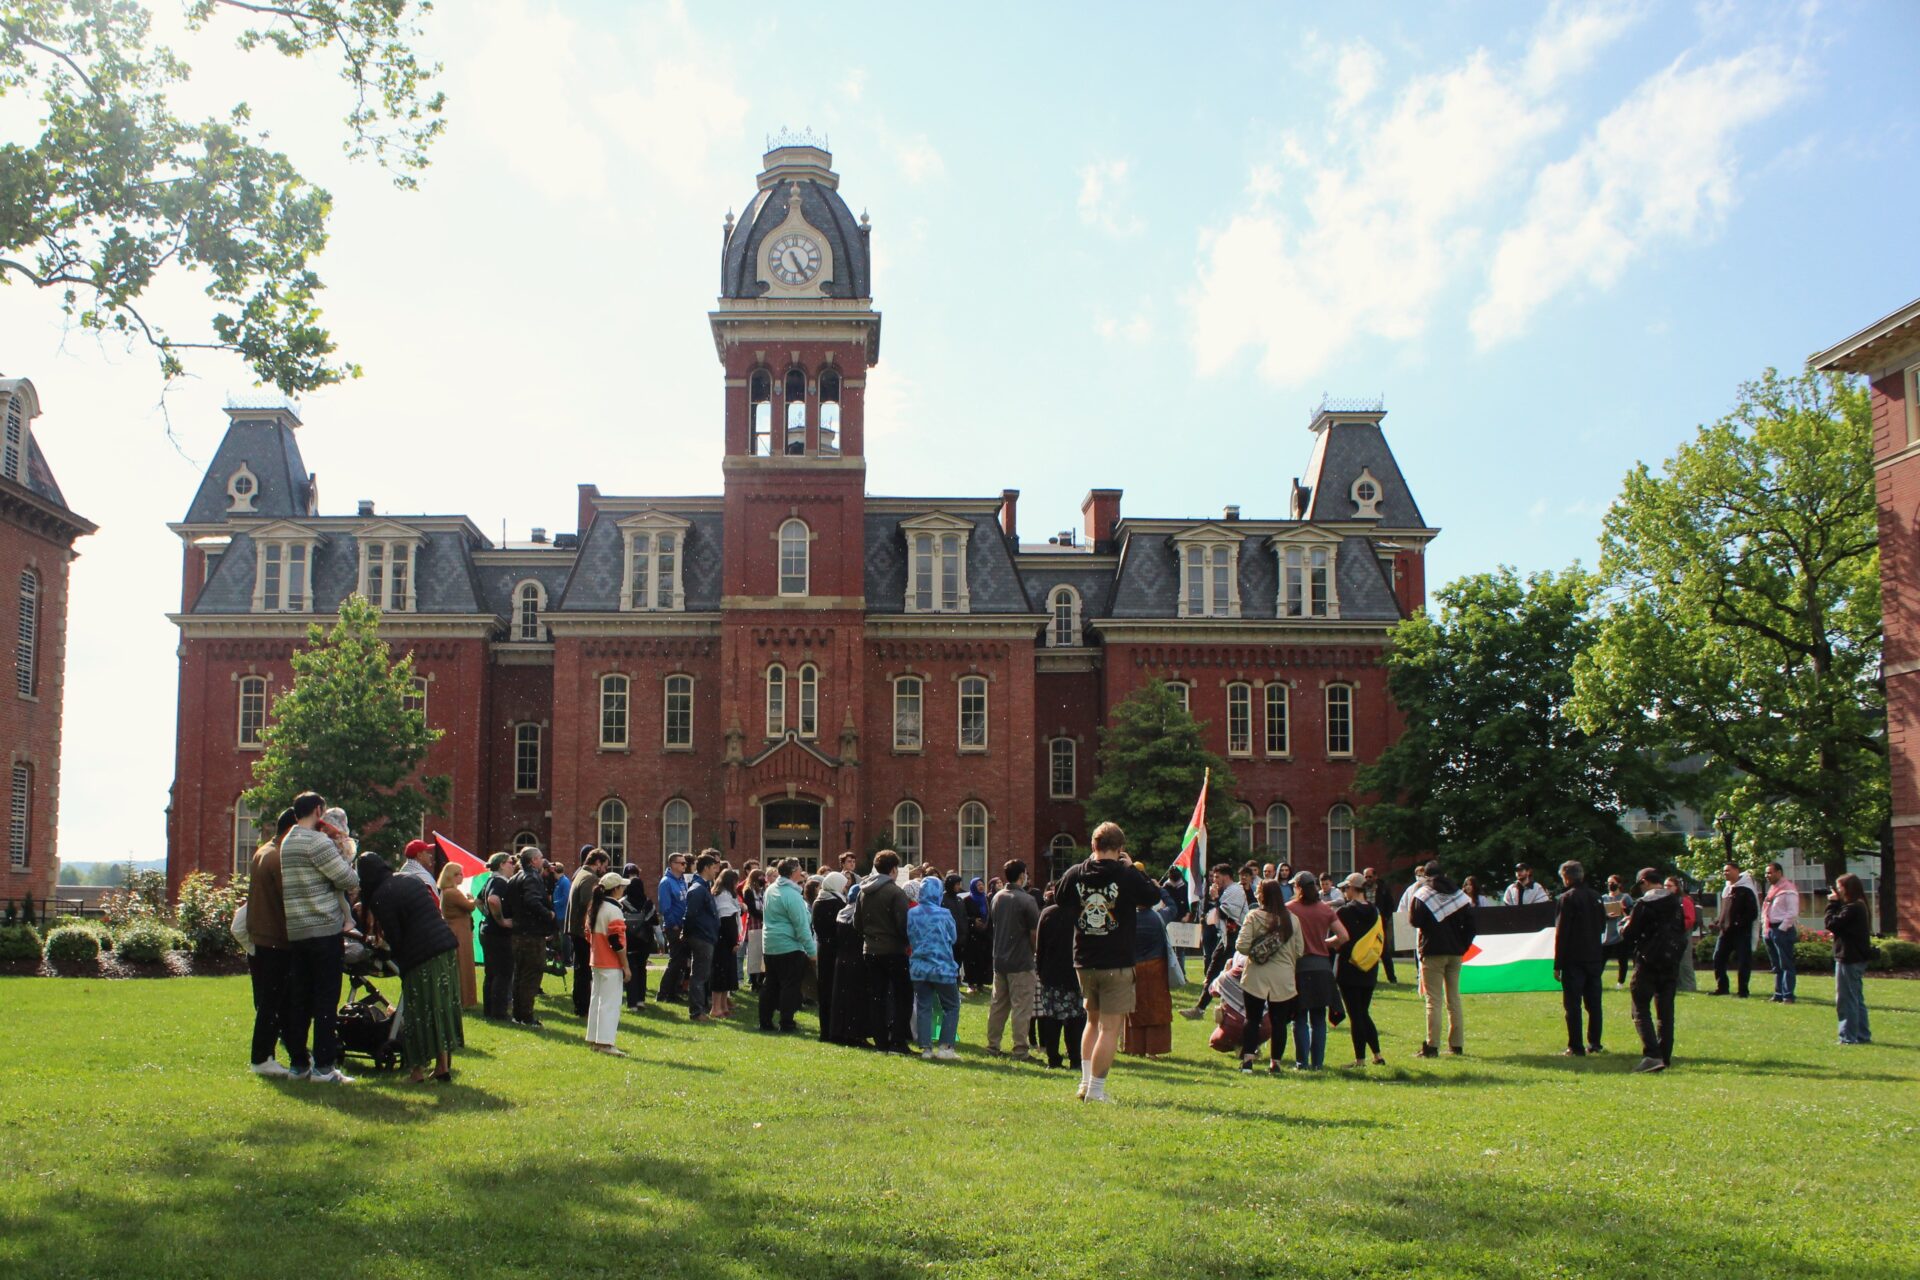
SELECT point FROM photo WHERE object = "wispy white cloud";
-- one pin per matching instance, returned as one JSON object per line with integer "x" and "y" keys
{"x": 1103, "y": 198}
{"x": 1356, "y": 73}
{"x": 530, "y": 67}
{"x": 1572, "y": 37}
{"x": 1135, "y": 329}
{"x": 855, "y": 85}
{"x": 919, "y": 161}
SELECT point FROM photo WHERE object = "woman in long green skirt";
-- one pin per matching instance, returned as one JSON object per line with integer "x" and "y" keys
{"x": 428, "y": 955}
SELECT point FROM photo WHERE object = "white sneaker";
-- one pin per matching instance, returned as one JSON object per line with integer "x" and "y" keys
{"x": 271, "y": 1069}
{"x": 927, "y": 1053}
{"x": 947, "y": 1053}
{"x": 1081, "y": 1092}
{"x": 335, "y": 1076}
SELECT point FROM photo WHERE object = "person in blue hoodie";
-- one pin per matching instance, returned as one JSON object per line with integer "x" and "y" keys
{"x": 934, "y": 970}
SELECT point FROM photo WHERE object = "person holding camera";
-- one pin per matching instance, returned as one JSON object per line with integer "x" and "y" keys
{"x": 314, "y": 876}
{"x": 1852, "y": 948}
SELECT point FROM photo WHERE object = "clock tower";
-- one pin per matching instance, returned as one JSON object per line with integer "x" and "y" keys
{"x": 796, "y": 332}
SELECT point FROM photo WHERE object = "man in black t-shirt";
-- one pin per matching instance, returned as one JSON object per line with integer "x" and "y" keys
{"x": 1103, "y": 895}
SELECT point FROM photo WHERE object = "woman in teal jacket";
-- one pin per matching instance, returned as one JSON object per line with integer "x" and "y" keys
{"x": 934, "y": 970}
{"x": 786, "y": 945}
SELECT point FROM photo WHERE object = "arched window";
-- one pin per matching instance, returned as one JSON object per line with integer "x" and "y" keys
{"x": 676, "y": 828}
{"x": 1339, "y": 719}
{"x": 526, "y": 759}
{"x": 26, "y": 652}
{"x": 1240, "y": 722}
{"x": 973, "y": 840}
{"x": 614, "y": 692}
{"x": 1065, "y": 606}
{"x": 776, "y": 700}
{"x": 679, "y": 712}
{"x": 906, "y": 714}
{"x": 1340, "y": 841}
{"x": 1061, "y": 762}
{"x": 525, "y": 840}
{"x": 253, "y": 711}
{"x": 1060, "y": 851}
{"x": 612, "y": 828}
{"x": 1280, "y": 832}
{"x": 1182, "y": 693}
{"x": 12, "y": 465}
{"x": 906, "y": 831}
{"x": 796, "y": 397}
{"x": 528, "y": 600}
{"x": 794, "y": 548}
{"x": 973, "y": 713}
{"x": 1278, "y": 742}
{"x": 246, "y": 837}
{"x": 829, "y": 413}
{"x": 760, "y": 414}
{"x": 806, "y": 701}
{"x": 1243, "y": 829}
{"x": 417, "y": 700}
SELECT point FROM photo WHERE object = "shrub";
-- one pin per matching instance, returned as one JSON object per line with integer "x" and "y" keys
{"x": 206, "y": 915}
{"x": 1703, "y": 952}
{"x": 20, "y": 942}
{"x": 145, "y": 897}
{"x": 1814, "y": 952}
{"x": 147, "y": 942}
{"x": 98, "y": 928}
{"x": 1895, "y": 953}
{"x": 73, "y": 949}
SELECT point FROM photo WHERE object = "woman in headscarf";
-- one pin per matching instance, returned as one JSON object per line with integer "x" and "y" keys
{"x": 849, "y": 1013}
{"x": 827, "y": 904}
{"x": 1149, "y": 1031}
{"x": 640, "y": 916}
{"x": 428, "y": 956}
{"x": 457, "y": 908}
{"x": 977, "y": 950}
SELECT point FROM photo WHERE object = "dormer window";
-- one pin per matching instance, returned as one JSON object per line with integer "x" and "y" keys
{"x": 388, "y": 556}
{"x": 14, "y": 462}
{"x": 1308, "y": 586}
{"x": 242, "y": 487}
{"x": 796, "y": 398}
{"x": 760, "y": 414}
{"x": 1209, "y": 572}
{"x": 656, "y": 552}
{"x": 829, "y": 413}
{"x": 529, "y": 601}
{"x": 283, "y": 570}
{"x": 1064, "y": 605}
{"x": 936, "y": 563}
{"x": 1366, "y": 494}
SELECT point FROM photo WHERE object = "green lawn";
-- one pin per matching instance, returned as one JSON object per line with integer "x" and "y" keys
{"x": 134, "y": 1144}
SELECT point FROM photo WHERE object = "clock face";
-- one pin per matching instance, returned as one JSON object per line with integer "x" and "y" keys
{"x": 793, "y": 259}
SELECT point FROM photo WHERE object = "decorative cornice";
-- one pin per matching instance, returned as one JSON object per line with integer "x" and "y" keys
{"x": 1053, "y": 660}
{"x": 792, "y": 463}
{"x": 1264, "y": 631}
{"x": 461, "y": 626}
{"x": 637, "y": 623}
{"x": 1254, "y": 658}
{"x": 795, "y": 604}
{"x": 957, "y": 626}
{"x": 21, "y": 506}
{"x": 519, "y": 654}
{"x": 678, "y": 647}
{"x": 950, "y": 649}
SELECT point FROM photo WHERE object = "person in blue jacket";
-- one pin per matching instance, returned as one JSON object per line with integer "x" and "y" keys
{"x": 934, "y": 970}
{"x": 701, "y": 929}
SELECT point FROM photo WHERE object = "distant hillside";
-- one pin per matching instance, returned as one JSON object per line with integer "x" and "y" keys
{"x": 105, "y": 873}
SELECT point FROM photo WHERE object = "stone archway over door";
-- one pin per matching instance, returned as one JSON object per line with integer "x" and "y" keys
{"x": 790, "y": 829}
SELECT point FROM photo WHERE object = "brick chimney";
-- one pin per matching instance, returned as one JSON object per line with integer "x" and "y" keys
{"x": 589, "y": 506}
{"x": 1101, "y": 507}
{"x": 1010, "y": 514}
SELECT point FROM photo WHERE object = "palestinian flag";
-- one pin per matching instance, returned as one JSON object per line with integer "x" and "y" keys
{"x": 1192, "y": 862}
{"x": 477, "y": 877}
{"x": 1512, "y": 950}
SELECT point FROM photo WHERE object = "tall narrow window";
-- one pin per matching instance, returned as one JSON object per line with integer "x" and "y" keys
{"x": 806, "y": 701}
{"x": 923, "y": 572}
{"x": 386, "y": 573}
{"x": 973, "y": 713}
{"x": 1182, "y": 694}
{"x": 1060, "y": 851}
{"x": 906, "y": 714}
{"x": 297, "y": 578}
{"x": 679, "y": 723}
{"x": 676, "y": 828}
{"x": 375, "y": 587}
{"x": 665, "y": 556}
{"x": 1208, "y": 572}
{"x": 1243, "y": 829}
{"x": 776, "y": 700}
{"x": 22, "y": 802}
{"x": 526, "y": 625}
{"x": 760, "y": 414}
{"x": 417, "y": 700}
{"x": 1339, "y": 719}
{"x": 1066, "y": 619}
{"x": 614, "y": 706}
{"x": 1340, "y": 842}
{"x": 937, "y": 565}
{"x": 829, "y": 413}
{"x": 1318, "y": 562}
{"x": 611, "y": 827}
{"x": 906, "y": 831}
{"x": 526, "y": 759}
{"x": 16, "y": 449}
{"x": 949, "y": 572}
{"x": 1061, "y": 778}
{"x": 653, "y": 570}
{"x": 1240, "y": 724}
{"x": 246, "y": 836}
{"x": 796, "y": 398}
{"x": 26, "y": 649}
{"x": 973, "y": 840}
{"x": 253, "y": 711}
{"x": 1278, "y": 743}
{"x": 1280, "y": 832}
{"x": 794, "y": 541}
{"x": 272, "y": 566}
{"x": 1296, "y": 582}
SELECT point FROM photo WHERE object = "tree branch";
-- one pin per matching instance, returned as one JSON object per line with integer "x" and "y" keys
{"x": 65, "y": 57}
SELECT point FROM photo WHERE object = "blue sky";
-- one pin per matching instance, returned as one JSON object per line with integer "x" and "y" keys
{"x": 1112, "y": 249}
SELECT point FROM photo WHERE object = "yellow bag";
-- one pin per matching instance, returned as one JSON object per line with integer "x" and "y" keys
{"x": 1367, "y": 951}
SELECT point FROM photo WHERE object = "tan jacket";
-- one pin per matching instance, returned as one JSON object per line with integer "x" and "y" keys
{"x": 1274, "y": 980}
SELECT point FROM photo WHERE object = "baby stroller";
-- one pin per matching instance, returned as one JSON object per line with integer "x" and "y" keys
{"x": 369, "y": 1025}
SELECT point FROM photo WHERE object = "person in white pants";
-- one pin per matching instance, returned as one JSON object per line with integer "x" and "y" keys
{"x": 607, "y": 939}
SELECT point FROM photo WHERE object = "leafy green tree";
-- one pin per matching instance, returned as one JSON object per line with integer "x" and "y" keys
{"x": 119, "y": 190}
{"x": 1748, "y": 625}
{"x": 1491, "y": 770}
{"x": 1152, "y": 761}
{"x": 346, "y": 730}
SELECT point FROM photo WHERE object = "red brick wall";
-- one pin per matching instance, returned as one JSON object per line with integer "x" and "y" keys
{"x": 1067, "y": 704}
{"x": 1898, "y": 488}
{"x": 32, "y": 724}
{"x": 520, "y": 694}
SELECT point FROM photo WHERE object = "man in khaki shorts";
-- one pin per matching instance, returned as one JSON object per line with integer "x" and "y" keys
{"x": 1102, "y": 896}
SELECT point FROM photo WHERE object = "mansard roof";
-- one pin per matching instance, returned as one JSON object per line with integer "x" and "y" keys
{"x": 264, "y": 444}
{"x": 444, "y": 575}
{"x": 993, "y": 583}
{"x": 594, "y": 584}
{"x": 1341, "y": 452}
{"x": 1147, "y": 584}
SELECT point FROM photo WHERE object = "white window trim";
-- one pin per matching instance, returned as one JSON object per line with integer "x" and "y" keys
{"x": 1910, "y": 388}
{"x": 239, "y": 500}
{"x": 937, "y": 525}
{"x": 396, "y": 542}
{"x": 1183, "y": 692}
{"x": 240, "y": 714}
{"x": 960, "y": 710}
{"x": 666, "y": 711}
{"x": 531, "y": 840}
{"x": 916, "y": 852}
{"x": 625, "y": 681}
{"x": 1353, "y": 850}
{"x": 960, "y": 838}
{"x": 804, "y": 698}
{"x": 1366, "y": 508}
{"x": 519, "y": 631}
{"x": 1286, "y": 826}
{"x": 1286, "y": 719}
{"x": 1245, "y": 688}
{"x": 243, "y": 849}
{"x": 1205, "y": 540}
{"x": 667, "y": 824}
{"x": 538, "y": 760}
{"x": 1073, "y": 769}
{"x": 1326, "y": 711}
{"x": 1075, "y": 633}
{"x": 806, "y": 558}
{"x": 775, "y": 677}
{"x": 653, "y": 524}
{"x": 26, "y": 645}
{"x": 1306, "y": 541}
{"x": 284, "y": 537}
{"x": 19, "y": 430}
{"x": 920, "y": 742}
{"x": 1243, "y": 825}
{"x": 600, "y": 823}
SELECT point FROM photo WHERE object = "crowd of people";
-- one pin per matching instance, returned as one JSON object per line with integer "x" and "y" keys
{"x": 1080, "y": 971}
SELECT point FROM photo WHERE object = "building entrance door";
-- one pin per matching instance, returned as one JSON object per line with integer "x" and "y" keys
{"x": 790, "y": 829}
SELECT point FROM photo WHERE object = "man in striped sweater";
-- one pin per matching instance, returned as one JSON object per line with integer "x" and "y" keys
{"x": 315, "y": 877}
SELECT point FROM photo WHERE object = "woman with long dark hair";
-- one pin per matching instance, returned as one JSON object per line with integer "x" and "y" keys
{"x": 1321, "y": 933}
{"x": 1061, "y": 1009}
{"x": 1847, "y": 921}
{"x": 753, "y": 907}
{"x": 1356, "y": 976}
{"x": 849, "y": 1013}
{"x": 726, "y": 951}
{"x": 641, "y": 916}
{"x": 1273, "y": 947}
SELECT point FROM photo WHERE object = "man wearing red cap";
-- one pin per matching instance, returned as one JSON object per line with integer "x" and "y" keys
{"x": 418, "y": 865}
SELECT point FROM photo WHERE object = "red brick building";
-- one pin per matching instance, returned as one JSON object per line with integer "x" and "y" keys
{"x": 1887, "y": 353}
{"x": 37, "y": 533}
{"x": 795, "y": 665}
